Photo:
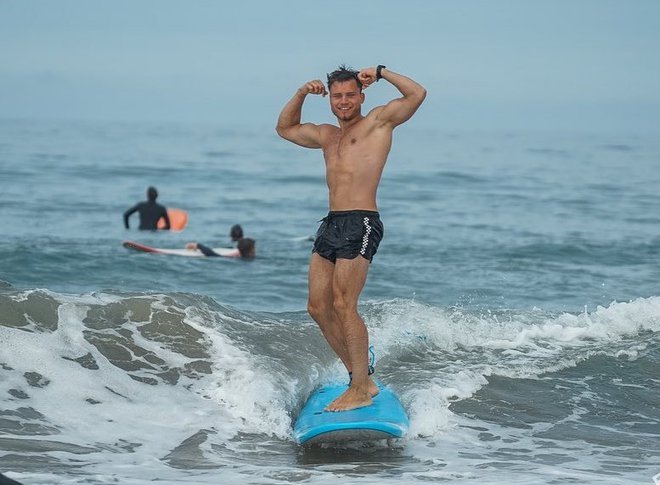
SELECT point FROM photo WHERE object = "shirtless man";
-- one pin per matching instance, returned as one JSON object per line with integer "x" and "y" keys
{"x": 355, "y": 153}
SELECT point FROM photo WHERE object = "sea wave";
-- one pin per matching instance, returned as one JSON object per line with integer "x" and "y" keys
{"x": 91, "y": 373}
{"x": 246, "y": 361}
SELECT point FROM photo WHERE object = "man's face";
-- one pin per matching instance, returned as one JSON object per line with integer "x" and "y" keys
{"x": 346, "y": 99}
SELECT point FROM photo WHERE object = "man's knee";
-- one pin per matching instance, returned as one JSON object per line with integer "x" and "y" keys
{"x": 343, "y": 307}
{"x": 317, "y": 309}
{"x": 312, "y": 309}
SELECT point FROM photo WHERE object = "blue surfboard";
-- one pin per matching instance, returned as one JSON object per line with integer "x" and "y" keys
{"x": 384, "y": 419}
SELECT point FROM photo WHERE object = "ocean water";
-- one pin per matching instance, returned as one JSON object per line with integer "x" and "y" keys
{"x": 514, "y": 306}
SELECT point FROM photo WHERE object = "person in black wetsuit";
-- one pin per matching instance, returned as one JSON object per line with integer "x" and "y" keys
{"x": 246, "y": 249}
{"x": 150, "y": 212}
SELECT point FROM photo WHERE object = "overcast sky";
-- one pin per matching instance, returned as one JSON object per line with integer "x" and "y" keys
{"x": 487, "y": 64}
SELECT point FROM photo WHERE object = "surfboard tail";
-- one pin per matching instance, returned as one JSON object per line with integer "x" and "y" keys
{"x": 139, "y": 247}
{"x": 178, "y": 220}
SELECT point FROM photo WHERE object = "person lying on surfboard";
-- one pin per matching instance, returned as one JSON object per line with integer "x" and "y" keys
{"x": 355, "y": 153}
{"x": 245, "y": 249}
{"x": 150, "y": 212}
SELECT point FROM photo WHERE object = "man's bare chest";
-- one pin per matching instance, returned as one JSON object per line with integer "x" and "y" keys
{"x": 349, "y": 145}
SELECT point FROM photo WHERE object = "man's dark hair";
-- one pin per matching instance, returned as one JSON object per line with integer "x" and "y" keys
{"x": 152, "y": 193}
{"x": 236, "y": 232}
{"x": 246, "y": 248}
{"x": 342, "y": 74}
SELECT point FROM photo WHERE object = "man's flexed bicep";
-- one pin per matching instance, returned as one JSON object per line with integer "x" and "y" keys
{"x": 289, "y": 126}
{"x": 307, "y": 135}
{"x": 401, "y": 109}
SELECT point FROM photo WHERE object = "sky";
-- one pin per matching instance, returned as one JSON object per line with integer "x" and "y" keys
{"x": 582, "y": 65}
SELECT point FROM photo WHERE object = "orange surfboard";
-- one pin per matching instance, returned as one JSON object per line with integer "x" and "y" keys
{"x": 178, "y": 220}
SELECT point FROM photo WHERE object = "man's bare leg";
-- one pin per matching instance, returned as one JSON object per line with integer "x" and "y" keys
{"x": 350, "y": 276}
{"x": 321, "y": 307}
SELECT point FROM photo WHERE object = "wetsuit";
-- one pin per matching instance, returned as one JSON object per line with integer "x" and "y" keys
{"x": 150, "y": 212}
{"x": 206, "y": 251}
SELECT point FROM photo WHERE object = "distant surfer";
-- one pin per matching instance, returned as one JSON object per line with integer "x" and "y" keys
{"x": 246, "y": 249}
{"x": 355, "y": 153}
{"x": 150, "y": 212}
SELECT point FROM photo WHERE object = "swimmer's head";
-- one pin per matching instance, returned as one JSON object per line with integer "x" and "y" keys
{"x": 152, "y": 194}
{"x": 236, "y": 232}
{"x": 246, "y": 247}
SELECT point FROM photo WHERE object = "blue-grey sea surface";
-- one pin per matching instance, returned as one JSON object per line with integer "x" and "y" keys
{"x": 514, "y": 306}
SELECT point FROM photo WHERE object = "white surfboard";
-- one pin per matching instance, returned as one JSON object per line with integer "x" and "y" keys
{"x": 227, "y": 252}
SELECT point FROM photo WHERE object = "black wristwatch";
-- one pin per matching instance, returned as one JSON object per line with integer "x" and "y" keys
{"x": 379, "y": 68}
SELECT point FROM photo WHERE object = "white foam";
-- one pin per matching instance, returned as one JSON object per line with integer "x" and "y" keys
{"x": 515, "y": 345}
{"x": 242, "y": 386}
{"x": 129, "y": 413}
{"x": 244, "y": 394}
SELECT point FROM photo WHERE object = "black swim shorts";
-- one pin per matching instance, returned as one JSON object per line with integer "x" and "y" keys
{"x": 347, "y": 234}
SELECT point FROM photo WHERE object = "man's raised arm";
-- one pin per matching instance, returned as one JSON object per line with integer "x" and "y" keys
{"x": 288, "y": 124}
{"x": 401, "y": 109}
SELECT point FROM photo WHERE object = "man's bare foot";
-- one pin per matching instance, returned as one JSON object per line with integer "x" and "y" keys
{"x": 352, "y": 398}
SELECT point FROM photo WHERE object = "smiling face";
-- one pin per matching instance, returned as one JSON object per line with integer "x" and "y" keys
{"x": 346, "y": 99}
